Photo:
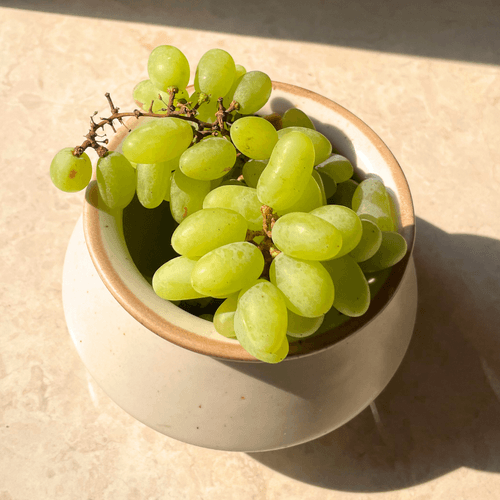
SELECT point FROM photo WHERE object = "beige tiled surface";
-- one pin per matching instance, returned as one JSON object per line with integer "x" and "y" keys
{"x": 431, "y": 91}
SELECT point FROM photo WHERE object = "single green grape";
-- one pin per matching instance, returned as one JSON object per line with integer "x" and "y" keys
{"x": 252, "y": 170}
{"x": 224, "y": 317}
{"x": 392, "y": 249}
{"x": 337, "y": 167}
{"x": 344, "y": 193}
{"x": 322, "y": 146}
{"x": 145, "y": 93}
{"x": 116, "y": 180}
{"x": 311, "y": 198}
{"x": 239, "y": 72}
{"x": 153, "y": 182}
{"x": 70, "y": 173}
{"x": 295, "y": 117}
{"x": 206, "y": 110}
{"x": 252, "y": 92}
{"x": 321, "y": 186}
{"x": 168, "y": 67}
{"x": 301, "y": 327}
{"x": 371, "y": 239}
{"x": 255, "y": 137}
{"x": 305, "y": 236}
{"x": 329, "y": 184}
{"x": 208, "y": 229}
{"x": 215, "y": 73}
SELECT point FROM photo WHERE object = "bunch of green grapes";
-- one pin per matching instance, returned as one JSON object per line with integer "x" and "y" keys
{"x": 270, "y": 220}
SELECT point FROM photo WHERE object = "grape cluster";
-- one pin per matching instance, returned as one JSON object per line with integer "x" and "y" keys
{"x": 270, "y": 220}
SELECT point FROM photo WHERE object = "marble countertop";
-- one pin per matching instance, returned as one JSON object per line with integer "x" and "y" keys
{"x": 426, "y": 78}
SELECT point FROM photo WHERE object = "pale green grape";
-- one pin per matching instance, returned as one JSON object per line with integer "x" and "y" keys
{"x": 346, "y": 221}
{"x": 392, "y": 249}
{"x": 352, "y": 294}
{"x": 344, "y": 193}
{"x": 70, "y": 173}
{"x": 224, "y": 317}
{"x": 371, "y": 201}
{"x": 206, "y": 230}
{"x": 260, "y": 321}
{"x": 337, "y": 167}
{"x": 228, "y": 98}
{"x": 243, "y": 290}
{"x": 301, "y": 327}
{"x": 116, "y": 179}
{"x": 252, "y": 92}
{"x": 209, "y": 159}
{"x": 304, "y": 236}
{"x": 294, "y": 117}
{"x": 227, "y": 269}
{"x": 172, "y": 281}
{"x": 145, "y": 92}
{"x": 306, "y": 285}
{"x": 153, "y": 182}
{"x": 207, "y": 110}
{"x": 241, "y": 199}
{"x": 215, "y": 73}
{"x": 311, "y": 198}
{"x": 369, "y": 243}
{"x": 186, "y": 195}
{"x": 285, "y": 177}
{"x": 321, "y": 186}
{"x": 322, "y": 146}
{"x": 255, "y": 137}
{"x": 168, "y": 67}
{"x": 329, "y": 184}
{"x": 252, "y": 170}
{"x": 158, "y": 140}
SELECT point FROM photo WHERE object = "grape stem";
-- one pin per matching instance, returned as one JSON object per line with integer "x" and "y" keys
{"x": 183, "y": 111}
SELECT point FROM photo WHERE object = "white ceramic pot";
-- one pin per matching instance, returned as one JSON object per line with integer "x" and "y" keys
{"x": 172, "y": 371}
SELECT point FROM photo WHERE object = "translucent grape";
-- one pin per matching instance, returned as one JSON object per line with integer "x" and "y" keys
{"x": 255, "y": 137}
{"x": 352, "y": 294}
{"x": 337, "y": 167}
{"x": 153, "y": 182}
{"x": 285, "y": 177}
{"x": 344, "y": 193}
{"x": 209, "y": 159}
{"x": 168, "y": 67}
{"x": 244, "y": 289}
{"x": 186, "y": 195}
{"x": 304, "y": 236}
{"x": 206, "y": 230}
{"x": 252, "y": 170}
{"x": 207, "y": 110}
{"x": 252, "y": 92}
{"x": 158, "y": 140}
{"x": 215, "y": 73}
{"x": 116, "y": 180}
{"x": 260, "y": 321}
{"x": 369, "y": 243}
{"x": 301, "y": 327}
{"x": 145, "y": 92}
{"x": 306, "y": 285}
{"x": 321, "y": 186}
{"x": 228, "y": 98}
{"x": 322, "y": 146}
{"x": 329, "y": 184}
{"x": 346, "y": 221}
{"x": 311, "y": 198}
{"x": 392, "y": 249}
{"x": 224, "y": 317}
{"x": 172, "y": 281}
{"x": 294, "y": 117}
{"x": 70, "y": 173}
{"x": 172, "y": 165}
{"x": 241, "y": 199}
{"x": 227, "y": 269}
{"x": 370, "y": 200}
{"x": 267, "y": 357}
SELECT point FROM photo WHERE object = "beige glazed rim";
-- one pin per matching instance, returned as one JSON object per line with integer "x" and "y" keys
{"x": 219, "y": 346}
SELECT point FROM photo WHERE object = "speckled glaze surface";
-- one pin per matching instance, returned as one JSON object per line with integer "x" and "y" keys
{"x": 174, "y": 372}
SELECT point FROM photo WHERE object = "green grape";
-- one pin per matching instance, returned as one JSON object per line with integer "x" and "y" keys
{"x": 70, "y": 173}
{"x": 168, "y": 67}
{"x": 294, "y": 117}
{"x": 322, "y": 146}
{"x": 172, "y": 281}
{"x": 241, "y": 199}
{"x": 329, "y": 185}
{"x": 145, "y": 93}
{"x": 321, "y": 186}
{"x": 337, "y": 167}
{"x": 255, "y": 137}
{"x": 346, "y": 221}
{"x": 392, "y": 249}
{"x": 224, "y": 317}
{"x": 352, "y": 293}
{"x": 252, "y": 170}
{"x": 227, "y": 269}
{"x": 285, "y": 178}
{"x": 371, "y": 239}
{"x": 304, "y": 236}
{"x": 260, "y": 321}
{"x": 206, "y": 110}
{"x": 301, "y": 327}
{"x": 153, "y": 182}
{"x": 371, "y": 201}
{"x": 228, "y": 98}
{"x": 116, "y": 180}
{"x": 215, "y": 73}
{"x": 186, "y": 195}
{"x": 209, "y": 159}
{"x": 244, "y": 289}
{"x": 207, "y": 230}
{"x": 306, "y": 285}
{"x": 172, "y": 165}
{"x": 344, "y": 193}
{"x": 311, "y": 198}
{"x": 252, "y": 92}
{"x": 158, "y": 140}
